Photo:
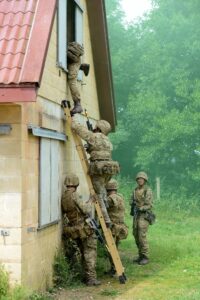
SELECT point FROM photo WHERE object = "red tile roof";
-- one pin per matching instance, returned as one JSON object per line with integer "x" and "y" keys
{"x": 25, "y": 28}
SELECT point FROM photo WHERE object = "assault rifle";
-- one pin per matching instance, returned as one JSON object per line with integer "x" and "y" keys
{"x": 134, "y": 210}
{"x": 93, "y": 224}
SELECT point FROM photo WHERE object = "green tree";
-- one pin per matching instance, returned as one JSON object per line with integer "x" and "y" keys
{"x": 157, "y": 92}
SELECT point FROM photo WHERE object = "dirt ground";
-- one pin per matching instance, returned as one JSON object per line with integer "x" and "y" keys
{"x": 106, "y": 291}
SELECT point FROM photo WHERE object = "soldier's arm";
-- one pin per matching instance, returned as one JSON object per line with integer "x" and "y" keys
{"x": 111, "y": 201}
{"x": 63, "y": 201}
{"x": 84, "y": 206}
{"x": 148, "y": 200}
{"x": 82, "y": 131}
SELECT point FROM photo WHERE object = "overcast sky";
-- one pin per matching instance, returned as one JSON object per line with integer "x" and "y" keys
{"x": 135, "y": 8}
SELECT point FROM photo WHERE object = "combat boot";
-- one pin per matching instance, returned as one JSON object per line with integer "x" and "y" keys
{"x": 93, "y": 282}
{"x": 143, "y": 261}
{"x": 77, "y": 109}
{"x": 85, "y": 68}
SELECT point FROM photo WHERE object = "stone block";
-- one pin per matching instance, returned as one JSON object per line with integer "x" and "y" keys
{"x": 10, "y": 253}
{"x": 10, "y": 210}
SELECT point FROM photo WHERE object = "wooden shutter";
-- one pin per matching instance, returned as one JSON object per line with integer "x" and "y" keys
{"x": 55, "y": 178}
{"x": 50, "y": 178}
{"x": 62, "y": 34}
{"x": 79, "y": 31}
{"x": 45, "y": 181}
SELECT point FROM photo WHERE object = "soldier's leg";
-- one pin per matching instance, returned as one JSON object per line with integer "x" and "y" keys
{"x": 99, "y": 187}
{"x": 136, "y": 237}
{"x": 89, "y": 258}
{"x": 71, "y": 251}
{"x": 143, "y": 226}
{"x": 73, "y": 69}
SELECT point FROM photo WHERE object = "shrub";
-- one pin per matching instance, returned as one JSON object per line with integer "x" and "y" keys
{"x": 4, "y": 282}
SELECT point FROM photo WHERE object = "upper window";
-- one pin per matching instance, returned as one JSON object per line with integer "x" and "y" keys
{"x": 70, "y": 27}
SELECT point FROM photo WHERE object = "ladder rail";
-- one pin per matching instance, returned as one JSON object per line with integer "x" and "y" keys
{"x": 111, "y": 246}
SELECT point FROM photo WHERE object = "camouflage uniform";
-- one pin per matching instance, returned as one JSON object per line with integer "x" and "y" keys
{"x": 99, "y": 148}
{"x": 74, "y": 53}
{"x": 116, "y": 211}
{"x": 143, "y": 200}
{"x": 75, "y": 210}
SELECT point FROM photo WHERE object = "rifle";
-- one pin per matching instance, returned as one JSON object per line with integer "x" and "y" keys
{"x": 93, "y": 224}
{"x": 134, "y": 210}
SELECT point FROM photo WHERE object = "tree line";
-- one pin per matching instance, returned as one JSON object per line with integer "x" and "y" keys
{"x": 156, "y": 72}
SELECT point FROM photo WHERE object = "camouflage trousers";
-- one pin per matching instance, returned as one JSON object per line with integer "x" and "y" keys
{"x": 73, "y": 70}
{"x": 99, "y": 183}
{"x": 140, "y": 229}
{"x": 84, "y": 250}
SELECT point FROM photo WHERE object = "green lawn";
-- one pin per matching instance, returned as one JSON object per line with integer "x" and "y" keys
{"x": 174, "y": 269}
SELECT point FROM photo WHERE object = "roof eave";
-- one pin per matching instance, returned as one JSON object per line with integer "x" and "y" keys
{"x": 102, "y": 61}
{"x": 20, "y": 93}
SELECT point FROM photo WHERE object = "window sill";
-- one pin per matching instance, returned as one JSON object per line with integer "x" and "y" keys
{"x": 41, "y": 227}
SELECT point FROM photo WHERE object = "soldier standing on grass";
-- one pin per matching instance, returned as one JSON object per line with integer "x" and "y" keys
{"x": 141, "y": 205}
{"x": 101, "y": 165}
{"x": 75, "y": 211}
{"x": 116, "y": 211}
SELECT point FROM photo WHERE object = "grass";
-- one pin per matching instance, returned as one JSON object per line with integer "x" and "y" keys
{"x": 18, "y": 292}
{"x": 173, "y": 272}
{"x": 174, "y": 269}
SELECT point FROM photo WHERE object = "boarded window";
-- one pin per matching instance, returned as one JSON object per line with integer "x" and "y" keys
{"x": 50, "y": 191}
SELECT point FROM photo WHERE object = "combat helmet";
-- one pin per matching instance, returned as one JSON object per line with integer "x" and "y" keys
{"x": 104, "y": 126}
{"x": 141, "y": 175}
{"x": 112, "y": 185}
{"x": 71, "y": 179}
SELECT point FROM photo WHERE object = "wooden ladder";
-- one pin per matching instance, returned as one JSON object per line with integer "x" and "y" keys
{"x": 110, "y": 243}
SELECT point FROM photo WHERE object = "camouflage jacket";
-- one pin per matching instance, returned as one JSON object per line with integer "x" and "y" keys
{"x": 143, "y": 198}
{"x": 100, "y": 147}
{"x": 74, "y": 208}
{"x": 116, "y": 209}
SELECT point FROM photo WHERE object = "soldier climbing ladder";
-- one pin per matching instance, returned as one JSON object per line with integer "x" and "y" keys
{"x": 111, "y": 246}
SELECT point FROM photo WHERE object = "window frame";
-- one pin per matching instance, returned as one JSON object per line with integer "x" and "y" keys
{"x": 63, "y": 31}
{"x": 52, "y": 136}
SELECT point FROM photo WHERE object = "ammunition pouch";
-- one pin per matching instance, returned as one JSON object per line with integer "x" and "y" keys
{"x": 120, "y": 231}
{"x": 150, "y": 217}
{"x": 81, "y": 231}
{"x": 101, "y": 167}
